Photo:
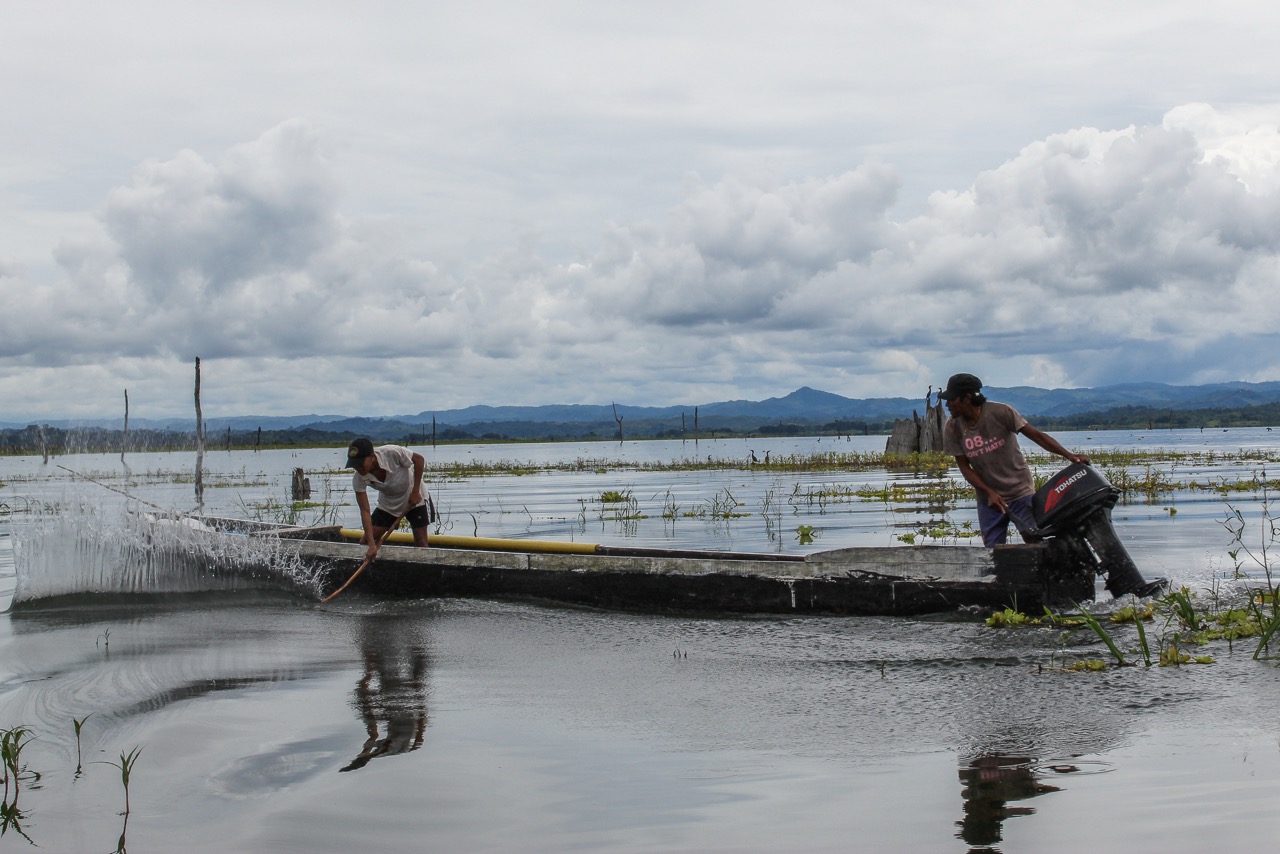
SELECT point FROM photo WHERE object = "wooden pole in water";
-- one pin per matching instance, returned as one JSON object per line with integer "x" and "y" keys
{"x": 124, "y": 435}
{"x": 199, "y": 444}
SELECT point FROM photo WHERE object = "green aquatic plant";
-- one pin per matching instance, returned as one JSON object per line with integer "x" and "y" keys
{"x": 1231, "y": 625}
{"x": 1092, "y": 623}
{"x": 1143, "y": 646}
{"x": 1010, "y": 618}
{"x": 1087, "y": 665}
{"x": 771, "y": 513}
{"x": 670, "y": 509}
{"x": 125, "y": 764}
{"x": 940, "y": 531}
{"x": 1134, "y": 613}
{"x": 1059, "y": 621}
{"x": 805, "y": 534}
{"x": 934, "y": 492}
{"x": 1269, "y": 625}
{"x": 1257, "y": 556}
{"x": 1184, "y": 609}
{"x": 12, "y": 743}
{"x": 78, "y": 724}
{"x": 614, "y": 496}
{"x": 721, "y": 506}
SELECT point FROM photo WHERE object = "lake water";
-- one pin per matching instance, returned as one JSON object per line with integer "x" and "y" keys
{"x": 271, "y": 723}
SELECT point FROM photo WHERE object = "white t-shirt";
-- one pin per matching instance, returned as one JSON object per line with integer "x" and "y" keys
{"x": 393, "y": 493}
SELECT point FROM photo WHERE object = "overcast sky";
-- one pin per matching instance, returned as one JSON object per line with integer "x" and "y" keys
{"x": 392, "y": 207}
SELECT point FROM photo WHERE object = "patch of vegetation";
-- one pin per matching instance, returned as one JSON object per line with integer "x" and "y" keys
{"x": 929, "y": 493}
{"x": 1009, "y": 618}
{"x": 943, "y": 531}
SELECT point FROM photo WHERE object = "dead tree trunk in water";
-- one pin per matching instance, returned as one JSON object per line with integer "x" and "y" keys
{"x": 618, "y": 418}
{"x": 124, "y": 434}
{"x": 199, "y": 444}
{"x": 917, "y": 435}
{"x": 300, "y": 487}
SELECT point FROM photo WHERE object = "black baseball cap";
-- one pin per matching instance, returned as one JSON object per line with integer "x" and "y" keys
{"x": 960, "y": 385}
{"x": 359, "y": 449}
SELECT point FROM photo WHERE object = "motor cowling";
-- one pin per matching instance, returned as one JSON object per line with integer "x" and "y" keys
{"x": 1069, "y": 496}
{"x": 1074, "y": 507}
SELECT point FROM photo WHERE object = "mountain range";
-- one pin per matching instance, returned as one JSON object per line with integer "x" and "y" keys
{"x": 804, "y": 406}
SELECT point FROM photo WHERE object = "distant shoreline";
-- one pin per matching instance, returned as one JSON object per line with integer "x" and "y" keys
{"x": 38, "y": 440}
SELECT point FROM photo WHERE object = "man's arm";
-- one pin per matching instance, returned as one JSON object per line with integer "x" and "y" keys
{"x": 415, "y": 494}
{"x": 366, "y": 517}
{"x": 1051, "y": 444}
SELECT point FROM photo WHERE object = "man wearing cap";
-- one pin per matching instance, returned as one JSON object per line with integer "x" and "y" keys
{"x": 395, "y": 473}
{"x": 983, "y": 437}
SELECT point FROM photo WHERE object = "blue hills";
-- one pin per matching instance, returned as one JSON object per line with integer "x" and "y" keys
{"x": 803, "y": 407}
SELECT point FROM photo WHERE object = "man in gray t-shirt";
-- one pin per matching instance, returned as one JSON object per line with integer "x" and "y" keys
{"x": 983, "y": 437}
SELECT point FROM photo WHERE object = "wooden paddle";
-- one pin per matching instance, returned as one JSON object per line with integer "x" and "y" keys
{"x": 367, "y": 561}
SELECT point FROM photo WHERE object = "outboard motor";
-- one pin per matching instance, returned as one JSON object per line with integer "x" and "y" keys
{"x": 1074, "y": 508}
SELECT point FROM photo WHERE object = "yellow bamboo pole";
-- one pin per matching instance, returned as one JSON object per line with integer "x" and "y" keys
{"x": 445, "y": 541}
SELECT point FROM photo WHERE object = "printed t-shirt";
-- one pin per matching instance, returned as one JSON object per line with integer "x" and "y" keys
{"x": 393, "y": 493}
{"x": 992, "y": 448}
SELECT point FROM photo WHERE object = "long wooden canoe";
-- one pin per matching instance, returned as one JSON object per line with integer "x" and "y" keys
{"x": 902, "y": 580}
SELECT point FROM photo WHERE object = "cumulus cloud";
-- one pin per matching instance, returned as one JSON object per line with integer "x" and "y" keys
{"x": 191, "y": 229}
{"x": 1091, "y": 256}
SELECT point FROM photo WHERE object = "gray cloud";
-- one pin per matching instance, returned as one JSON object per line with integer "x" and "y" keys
{"x": 195, "y": 231}
{"x": 1091, "y": 256}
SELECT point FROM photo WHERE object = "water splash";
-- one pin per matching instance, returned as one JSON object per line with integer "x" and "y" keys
{"x": 76, "y": 547}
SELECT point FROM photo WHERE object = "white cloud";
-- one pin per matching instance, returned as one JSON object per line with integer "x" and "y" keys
{"x": 507, "y": 208}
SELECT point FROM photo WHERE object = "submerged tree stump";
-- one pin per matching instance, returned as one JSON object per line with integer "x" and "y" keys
{"x": 918, "y": 435}
{"x": 301, "y": 486}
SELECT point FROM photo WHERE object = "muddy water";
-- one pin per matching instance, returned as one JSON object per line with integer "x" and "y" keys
{"x": 270, "y": 723}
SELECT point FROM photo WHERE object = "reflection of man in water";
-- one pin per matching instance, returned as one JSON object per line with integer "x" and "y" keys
{"x": 391, "y": 694}
{"x": 990, "y": 782}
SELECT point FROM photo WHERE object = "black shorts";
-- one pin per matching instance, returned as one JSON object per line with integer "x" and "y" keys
{"x": 418, "y": 517}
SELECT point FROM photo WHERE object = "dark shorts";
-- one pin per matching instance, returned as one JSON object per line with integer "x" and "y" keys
{"x": 418, "y": 517}
{"x": 995, "y": 525}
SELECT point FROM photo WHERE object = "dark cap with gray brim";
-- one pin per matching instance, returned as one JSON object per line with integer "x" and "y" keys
{"x": 358, "y": 451}
{"x": 960, "y": 385}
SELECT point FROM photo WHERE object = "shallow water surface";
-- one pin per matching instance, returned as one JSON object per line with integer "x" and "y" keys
{"x": 273, "y": 724}
{"x": 270, "y": 723}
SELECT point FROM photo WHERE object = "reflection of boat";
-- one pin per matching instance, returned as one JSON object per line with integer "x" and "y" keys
{"x": 888, "y": 581}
